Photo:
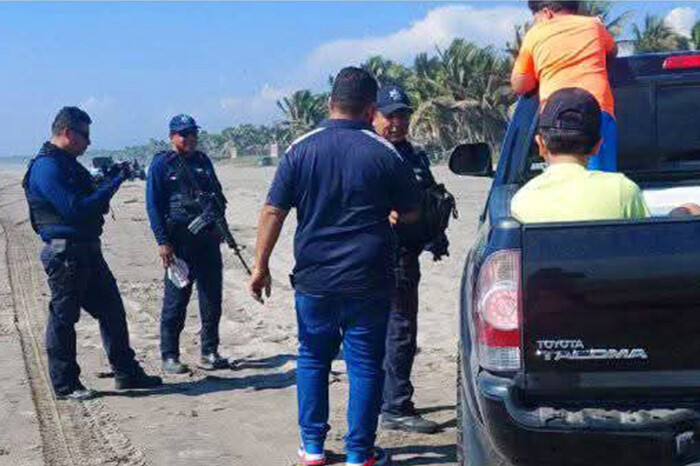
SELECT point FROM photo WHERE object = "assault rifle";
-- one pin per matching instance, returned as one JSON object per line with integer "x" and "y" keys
{"x": 213, "y": 214}
{"x": 211, "y": 206}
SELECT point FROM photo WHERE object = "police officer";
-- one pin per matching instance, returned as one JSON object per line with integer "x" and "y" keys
{"x": 175, "y": 180}
{"x": 344, "y": 180}
{"x": 67, "y": 211}
{"x": 398, "y": 412}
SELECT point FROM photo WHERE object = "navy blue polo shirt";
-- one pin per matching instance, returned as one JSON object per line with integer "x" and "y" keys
{"x": 343, "y": 180}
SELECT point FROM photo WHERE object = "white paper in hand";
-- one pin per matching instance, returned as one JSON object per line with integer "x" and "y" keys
{"x": 179, "y": 273}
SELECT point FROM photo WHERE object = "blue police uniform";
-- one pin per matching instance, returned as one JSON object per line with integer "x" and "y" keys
{"x": 67, "y": 211}
{"x": 402, "y": 329}
{"x": 171, "y": 206}
{"x": 343, "y": 180}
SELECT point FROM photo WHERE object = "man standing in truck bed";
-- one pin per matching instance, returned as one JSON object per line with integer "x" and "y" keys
{"x": 565, "y": 49}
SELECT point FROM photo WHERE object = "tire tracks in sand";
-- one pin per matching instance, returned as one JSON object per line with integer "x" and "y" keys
{"x": 72, "y": 434}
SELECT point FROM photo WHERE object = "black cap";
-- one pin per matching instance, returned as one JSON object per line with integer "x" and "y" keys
{"x": 354, "y": 85}
{"x": 572, "y": 109}
{"x": 393, "y": 99}
{"x": 537, "y": 5}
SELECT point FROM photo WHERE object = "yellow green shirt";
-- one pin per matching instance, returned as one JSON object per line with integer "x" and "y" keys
{"x": 568, "y": 192}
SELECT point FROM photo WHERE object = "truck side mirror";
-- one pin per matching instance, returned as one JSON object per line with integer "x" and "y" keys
{"x": 471, "y": 160}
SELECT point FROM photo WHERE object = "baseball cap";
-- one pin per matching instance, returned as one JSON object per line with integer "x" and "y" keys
{"x": 392, "y": 99}
{"x": 182, "y": 122}
{"x": 572, "y": 109}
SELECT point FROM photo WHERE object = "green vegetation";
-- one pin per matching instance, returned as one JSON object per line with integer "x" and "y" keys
{"x": 461, "y": 94}
{"x": 656, "y": 36}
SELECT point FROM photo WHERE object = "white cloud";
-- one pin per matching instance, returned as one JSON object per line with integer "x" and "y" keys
{"x": 265, "y": 102}
{"x": 261, "y": 106}
{"x": 484, "y": 26}
{"x": 273, "y": 93}
{"x": 681, "y": 20}
{"x": 229, "y": 104}
{"x": 93, "y": 103}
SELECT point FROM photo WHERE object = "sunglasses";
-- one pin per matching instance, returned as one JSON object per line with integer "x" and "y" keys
{"x": 84, "y": 134}
{"x": 188, "y": 132}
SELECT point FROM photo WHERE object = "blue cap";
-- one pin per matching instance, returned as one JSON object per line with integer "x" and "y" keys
{"x": 182, "y": 122}
{"x": 392, "y": 99}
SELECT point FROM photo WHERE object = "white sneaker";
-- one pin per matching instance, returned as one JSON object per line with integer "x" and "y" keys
{"x": 379, "y": 458}
{"x": 311, "y": 459}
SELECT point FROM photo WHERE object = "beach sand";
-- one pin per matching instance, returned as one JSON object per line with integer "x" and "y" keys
{"x": 243, "y": 416}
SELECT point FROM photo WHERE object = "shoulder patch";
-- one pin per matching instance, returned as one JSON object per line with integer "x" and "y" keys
{"x": 383, "y": 141}
{"x": 302, "y": 137}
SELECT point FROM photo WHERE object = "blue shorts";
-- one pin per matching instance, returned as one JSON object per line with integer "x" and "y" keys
{"x": 606, "y": 159}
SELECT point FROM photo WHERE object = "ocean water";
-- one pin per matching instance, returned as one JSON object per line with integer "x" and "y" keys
{"x": 13, "y": 164}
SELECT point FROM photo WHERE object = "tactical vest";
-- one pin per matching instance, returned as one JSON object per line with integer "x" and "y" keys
{"x": 42, "y": 213}
{"x": 182, "y": 202}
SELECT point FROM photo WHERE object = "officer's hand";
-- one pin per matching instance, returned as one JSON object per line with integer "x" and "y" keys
{"x": 261, "y": 280}
{"x": 393, "y": 217}
{"x": 166, "y": 255}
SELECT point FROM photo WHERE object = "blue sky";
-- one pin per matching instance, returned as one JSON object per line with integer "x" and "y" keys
{"x": 133, "y": 65}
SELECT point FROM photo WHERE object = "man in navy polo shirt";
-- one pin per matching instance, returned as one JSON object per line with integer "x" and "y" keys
{"x": 344, "y": 181}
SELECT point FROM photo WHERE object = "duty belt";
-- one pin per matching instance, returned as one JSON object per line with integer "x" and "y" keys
{"x": 63, "y": 244}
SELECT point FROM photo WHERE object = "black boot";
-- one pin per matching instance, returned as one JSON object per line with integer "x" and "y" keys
{"x": 214, "y": 361}
{"x": 174, "y": 366}
{"x": 78, "y": 393}
{"x": 409, "y": 423}
{"x": 139, "y": 379}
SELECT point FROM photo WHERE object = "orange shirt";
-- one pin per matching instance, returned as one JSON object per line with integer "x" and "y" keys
{"x": 568, "y": 51}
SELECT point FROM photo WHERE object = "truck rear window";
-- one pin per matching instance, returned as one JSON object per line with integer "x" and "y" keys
{"x": 658, "y": 128}
{"x": 658, "y": 131}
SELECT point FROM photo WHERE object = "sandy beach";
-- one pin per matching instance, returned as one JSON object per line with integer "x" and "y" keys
{"x": 235, "y": 417}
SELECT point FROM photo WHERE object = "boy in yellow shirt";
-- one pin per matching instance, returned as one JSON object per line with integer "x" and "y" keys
{"x": 562, "y": 50}
{"x": 568, "y": 135}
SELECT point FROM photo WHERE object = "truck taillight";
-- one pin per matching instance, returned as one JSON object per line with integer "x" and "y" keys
{"x": 497, "y": 311}
{"x": 681, "y": 62}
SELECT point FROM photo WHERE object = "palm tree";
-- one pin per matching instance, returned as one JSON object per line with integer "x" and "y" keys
{"x": 465, "y": 96}
{"x": 387, "y": 72}
{"x": 603, "y": 9}
{"x": 695, "y": 36}
{"x": 303, "y": 110}
{"x": 519, "y": 31}
{"x": 656, "y": 36}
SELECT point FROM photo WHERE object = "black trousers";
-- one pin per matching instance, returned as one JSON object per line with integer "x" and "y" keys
{"x": 203, "y": 257}
{"x": 401, "y": 338}
{"x": 79, "y": 277}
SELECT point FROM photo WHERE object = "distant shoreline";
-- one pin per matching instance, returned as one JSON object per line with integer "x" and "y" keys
{"x": 13, "y": 164}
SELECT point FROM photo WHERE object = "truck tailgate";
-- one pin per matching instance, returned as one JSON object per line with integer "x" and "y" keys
{"x": 610, "y": 305}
